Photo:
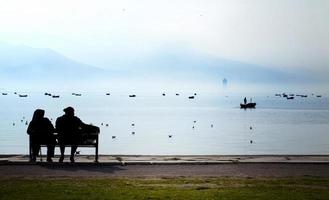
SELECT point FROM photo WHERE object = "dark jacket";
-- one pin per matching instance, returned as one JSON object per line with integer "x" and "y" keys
{"x": 69, "y": 128}
{"x": 41, "y": 131}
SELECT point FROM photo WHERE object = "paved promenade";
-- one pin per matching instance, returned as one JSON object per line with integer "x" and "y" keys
{"x": 211, "y": 159}
{"x": 17, "y": 166}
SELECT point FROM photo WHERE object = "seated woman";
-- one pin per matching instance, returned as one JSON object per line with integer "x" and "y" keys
{"x": 41, "y": 131}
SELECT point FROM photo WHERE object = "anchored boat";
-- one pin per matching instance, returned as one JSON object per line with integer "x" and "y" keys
{"x": 248, "y": 105}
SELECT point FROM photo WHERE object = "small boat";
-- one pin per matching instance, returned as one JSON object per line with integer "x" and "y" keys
{"x": 177, "y": 94}
{"x": 290, "y": 97}
{"x": 163, "y": 94}
{"x": 22, "y": 95}
{"x": 4, "y": 93}
{"x": 284, "y": 95}
{"x": 191, "y": 97}
{"x": 248, "y": 105}
{"x": 132, "y": 95}
{"x": 76, "y": 94}
{"x": 108, "y": 94}
{"x": 318, "y": 96}
{"x": 55, "y": 96}
{"x": 304, "y": 96}
{"x": 278, "y": 95}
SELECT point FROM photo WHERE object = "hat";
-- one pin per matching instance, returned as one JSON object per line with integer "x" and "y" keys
{"x": 68, "y": 110}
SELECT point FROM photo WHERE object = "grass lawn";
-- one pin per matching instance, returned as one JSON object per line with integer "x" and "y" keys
{"x": 165, "y": 188}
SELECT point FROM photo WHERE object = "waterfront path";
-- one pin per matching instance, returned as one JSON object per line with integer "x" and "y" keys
{"x": 168, "y": 166}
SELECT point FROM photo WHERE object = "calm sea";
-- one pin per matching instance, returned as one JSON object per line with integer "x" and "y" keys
{"x": 207, "y": 124}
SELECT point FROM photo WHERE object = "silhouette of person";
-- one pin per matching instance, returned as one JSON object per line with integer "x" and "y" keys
{"x": 245, "y": 100}
{"x": 41, "y": 131}
{"x": 68, "y": 128}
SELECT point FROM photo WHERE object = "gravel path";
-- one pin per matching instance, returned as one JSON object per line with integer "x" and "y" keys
{"x": 148, "y": 171}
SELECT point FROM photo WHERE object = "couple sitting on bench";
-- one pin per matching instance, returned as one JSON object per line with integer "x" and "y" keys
{"x": 71, "y": 131}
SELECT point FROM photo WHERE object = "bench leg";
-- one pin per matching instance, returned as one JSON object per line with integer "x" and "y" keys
{"x": 96, "y": 154}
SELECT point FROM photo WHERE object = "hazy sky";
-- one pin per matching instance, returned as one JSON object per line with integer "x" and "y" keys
{"x": 274, "y": 33}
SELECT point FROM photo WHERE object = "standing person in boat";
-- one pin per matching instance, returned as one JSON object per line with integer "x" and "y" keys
{"x": 68, "y": 127}
{"x": 245, "y": 100}
{"x": 41, "y": 131}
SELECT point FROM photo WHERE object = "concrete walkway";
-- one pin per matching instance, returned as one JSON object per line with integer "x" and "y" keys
{"x": 211, "y": 159}
{"x": 17, "y": 166}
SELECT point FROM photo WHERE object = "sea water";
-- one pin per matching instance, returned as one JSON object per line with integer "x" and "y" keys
{"x": 176, "y": 125}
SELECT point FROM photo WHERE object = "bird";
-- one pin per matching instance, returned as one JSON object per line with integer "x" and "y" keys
{"x": 113, "y": 137}
{"x": 102, "y": 124}
{"x": 107, "y": 125}
{"x": 13, "y": 124}
{"x": 133, "y": 132}
{"x": 132, "y": 124}
{"x": 194, "y": 121}
{"x": 250, "y": 127}
{"x": 250, "y": 141}
{"x": 211, "y": 125}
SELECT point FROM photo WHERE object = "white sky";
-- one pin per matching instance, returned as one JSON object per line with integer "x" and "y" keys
{"x": 273, "y": 33}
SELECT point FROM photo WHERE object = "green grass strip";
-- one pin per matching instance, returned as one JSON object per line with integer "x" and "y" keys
{"x": 165, "y": 188}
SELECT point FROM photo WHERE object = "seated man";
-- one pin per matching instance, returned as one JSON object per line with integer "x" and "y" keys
{"x": 68, "y": 128}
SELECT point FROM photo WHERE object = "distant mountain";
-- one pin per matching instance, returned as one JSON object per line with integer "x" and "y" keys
{"x": 27, "y": 63}
{"x": 179, "y": 64}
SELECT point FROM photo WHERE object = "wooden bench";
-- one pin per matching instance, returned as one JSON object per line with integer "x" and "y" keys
{"x": 86, "y": 139}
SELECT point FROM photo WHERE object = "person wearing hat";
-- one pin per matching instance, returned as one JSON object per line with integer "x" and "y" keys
{"x": 41, "y": 131}
{"x": 68, "y": 127}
